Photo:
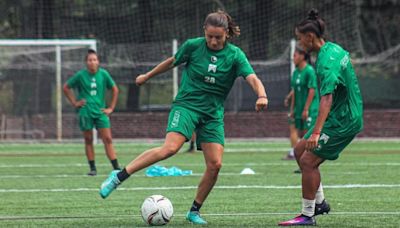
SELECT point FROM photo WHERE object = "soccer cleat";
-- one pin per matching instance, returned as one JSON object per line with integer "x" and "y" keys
{"x": 92, "y": 173}
{"x": 195, "y": 218}
{"x": 322, "y": 208}
{"x": 109, "y": 184}
{"x": 300, "y": 220}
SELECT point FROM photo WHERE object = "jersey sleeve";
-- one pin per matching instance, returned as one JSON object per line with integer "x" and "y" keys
{"x": 243, "y": 67}
{"x": 183, "y": 53}
{"x": 109, "y": 81}
{"x": 73, "y": 82}
{"x": 312, "y": 79}
{"x": 329, "y": 80}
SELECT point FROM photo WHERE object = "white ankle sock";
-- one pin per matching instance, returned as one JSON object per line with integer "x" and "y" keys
{"x": 308, "y": 207}
{"x": 319, "y": 197}
{"x": 291, "y": 152}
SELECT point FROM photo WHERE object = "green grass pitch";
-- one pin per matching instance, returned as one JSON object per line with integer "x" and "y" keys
{"x": 44, "y": 185}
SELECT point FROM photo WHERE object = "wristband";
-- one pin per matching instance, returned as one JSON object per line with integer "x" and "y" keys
{"x": 316, "y": 133}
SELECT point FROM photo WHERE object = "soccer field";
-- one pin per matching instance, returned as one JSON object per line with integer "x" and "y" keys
{"x": 44, "y": 185}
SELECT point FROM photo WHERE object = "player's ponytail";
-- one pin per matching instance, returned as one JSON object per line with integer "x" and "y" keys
{"x": 312, "y": 23}
{"x": 222, "y": 19}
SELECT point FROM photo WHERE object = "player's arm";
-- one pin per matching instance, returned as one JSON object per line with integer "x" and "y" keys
{"x": 310, "y": 97}
{"x": 324, "y": 108}
{"x": 114, "y": 98}
{"x": 71, "y": 97}
{"x": 288, "y": 97}
{"x": 291, "y": 114}
{"x": 259, "y": 89}
{"x": 159, "y": 69}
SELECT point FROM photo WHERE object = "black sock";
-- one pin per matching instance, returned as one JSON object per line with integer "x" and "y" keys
{"x": 191, "y": 145}
{"x": 115, "y": 164}
{"x": 195, "y": 206}
{"x": 92, "y": 165}
{"x": 123, "y": 175}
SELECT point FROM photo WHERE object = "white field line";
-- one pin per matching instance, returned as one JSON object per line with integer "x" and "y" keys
{"x": 347, "y": 186}
{"x": 230, "y": 150}
{"x": 86, "y": 176}
{"x": 283, "y": 163}
{"x": 350, "y": 213}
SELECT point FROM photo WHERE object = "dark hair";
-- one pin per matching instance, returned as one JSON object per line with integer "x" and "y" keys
{"x": 222, "y": 19}
{"x": 312, "y": 23}
{"x": 301, "y": 51}
{"x": 89, "y": 52}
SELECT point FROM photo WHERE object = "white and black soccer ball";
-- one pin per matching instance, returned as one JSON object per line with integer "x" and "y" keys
{"x": 157, "y": 210}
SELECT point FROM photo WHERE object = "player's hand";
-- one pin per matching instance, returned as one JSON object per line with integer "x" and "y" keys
{"x": 304, "y": 115}
{"x": 290, "y": 115}
{"x": 312, "y": 142}
{"x": 79, "y": 103}
{"x": 107, "y": 111}
{"x": 286, "y": 102}
{"x": 141, "y": 79}
{"x": 261, "y": 103}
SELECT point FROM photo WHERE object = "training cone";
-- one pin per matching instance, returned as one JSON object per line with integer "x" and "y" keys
{"x": 247, "y": 171}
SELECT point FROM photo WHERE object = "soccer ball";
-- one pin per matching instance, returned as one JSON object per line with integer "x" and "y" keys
{"x": 157, "y": 210}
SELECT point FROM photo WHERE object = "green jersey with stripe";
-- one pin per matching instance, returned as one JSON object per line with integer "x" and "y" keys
{"x": 92, "y": 88}
{"x": 208, "y": 75}
{"x": 303, "y": 80}
{"x": 337, "y": 77}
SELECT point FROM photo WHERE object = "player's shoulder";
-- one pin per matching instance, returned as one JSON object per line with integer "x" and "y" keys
{"x": 103, "y": 71}
{"x": 81, "y": 72}
{"x": 309, "y": 68}
{"x": 195, "y": 42}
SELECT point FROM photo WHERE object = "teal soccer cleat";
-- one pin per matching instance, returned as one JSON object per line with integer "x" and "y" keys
{"x": 195, "y": 218}
{"x": 109, "y": 184}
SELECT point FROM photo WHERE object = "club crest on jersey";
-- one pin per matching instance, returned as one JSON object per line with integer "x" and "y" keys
{"x": 214, "y": 59}
{"x": 212, "y": 68}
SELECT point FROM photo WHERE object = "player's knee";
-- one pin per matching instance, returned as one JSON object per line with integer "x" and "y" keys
{"x": 214, "y": 166}
{"x": 306, "y": 164}
{"x": 107, "y": 140}
{"x": 170, "y": 149}
{"x": 88, "y": 139}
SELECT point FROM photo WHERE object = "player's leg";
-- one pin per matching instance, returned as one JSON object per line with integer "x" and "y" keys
{"x": 181, "y": 124}
{"x": 211, "y": 138}
{"x": 89, "y": 150}
{"x": 311, "y": 179}
{"x": 173, "y": 142}
{"x": 213, "y": 158}
{"x": 293, "y": 139}
{"x": 106, "y": 137}
{"x": 86, "y": 125}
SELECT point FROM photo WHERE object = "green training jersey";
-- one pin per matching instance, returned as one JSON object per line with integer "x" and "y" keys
{"x": 92, "y": 88}
{"x": 337, "y": 77}
{"x": 303, "y": 80}
{"x": 208, "y": 75}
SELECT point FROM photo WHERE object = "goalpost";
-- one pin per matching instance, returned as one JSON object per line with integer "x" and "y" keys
{"x": 58, "y": 44}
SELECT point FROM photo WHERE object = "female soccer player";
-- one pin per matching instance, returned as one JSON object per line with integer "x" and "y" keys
{"x": 339, "y": 118}
{"x": 211, "y": 66}
{"x": 304, "y": 106}
{"x": 92, "y": 83}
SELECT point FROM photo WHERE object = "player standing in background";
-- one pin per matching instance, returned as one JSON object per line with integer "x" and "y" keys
{"x": 304, "y": 105}
{"x": 212, "y": 64}
{"x": 339, "y": 118}
{"x": 292, "y": 128}
{"x": 91, "y": 84}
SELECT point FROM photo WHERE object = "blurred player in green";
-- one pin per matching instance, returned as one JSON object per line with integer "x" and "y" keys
{"x": 91, "y": 84}
{"x": 293, "y": 135}
{"x": 339, "y": 118}
{"x": 304, "y": 105}
{"x": 211, "y": 65}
